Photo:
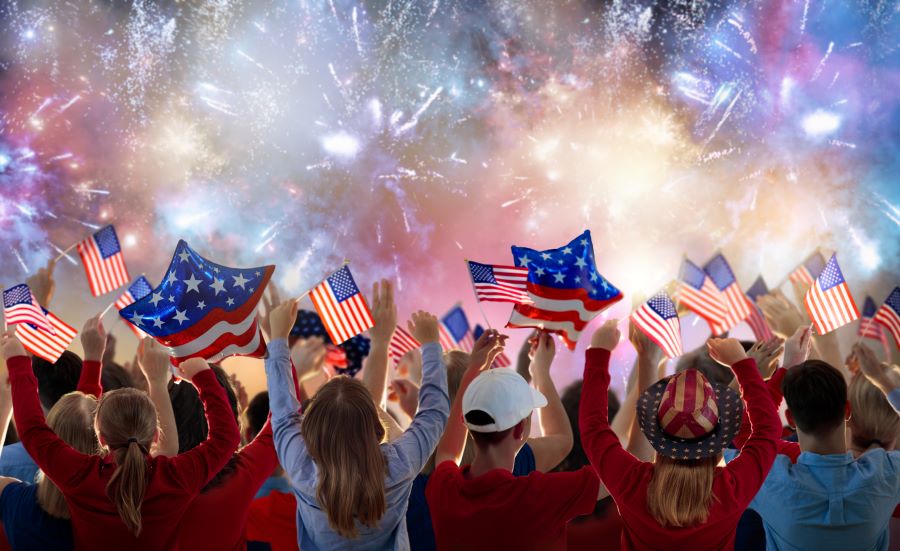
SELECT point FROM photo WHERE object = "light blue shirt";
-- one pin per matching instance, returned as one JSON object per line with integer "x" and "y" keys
{"x": 16, "y": 463}
{"x": 829, "y": 502}
{"x": 405, "y": 456}
{"x": 894, "y": 399}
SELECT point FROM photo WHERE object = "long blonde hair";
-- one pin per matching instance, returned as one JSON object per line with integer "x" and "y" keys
{"x": 872, "y": 419}
{"x": 127, "y": 422}
{"x": 343, "y": 434}
{"x": 71, "y": 418}
{"x": 680, "y": 492}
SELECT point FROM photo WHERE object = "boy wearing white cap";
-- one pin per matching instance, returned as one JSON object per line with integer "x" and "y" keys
{"x": 482, "y": 505}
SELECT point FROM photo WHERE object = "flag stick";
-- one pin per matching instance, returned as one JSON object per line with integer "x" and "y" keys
{"x": 477, "y": 300}
{"x": 63, "y": 252}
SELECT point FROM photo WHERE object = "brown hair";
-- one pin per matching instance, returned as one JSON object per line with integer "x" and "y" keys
{"x": 873, "y": 420}
{"x": 456, "y": 362}
{"x": 71, "y": 418}
{"x": 680, "y": 491}
{"x": 343, "y": 434}
{"x": 127, "y": 422}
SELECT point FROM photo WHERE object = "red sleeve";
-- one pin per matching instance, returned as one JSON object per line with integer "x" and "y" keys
{"x": 571, "y": 494}
{"x": 774, "y": 386}
{"x": 195, "y": 468}
{"x": 260, "y": 457}
{"x": 600, "y": 443}
{"x": 749, "y": 469}
{"x": 64, "y": 465}
{"x": 89, "y": 380}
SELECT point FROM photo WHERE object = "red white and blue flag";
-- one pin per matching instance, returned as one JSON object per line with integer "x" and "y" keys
{"x": 658, "y": 319}
{"x": 889, "y": 315}
{"x": 756, "y": 320}
{"x": 136, "y": 291}
{"x": 737, "y": 306}
{"x": 19, "y": 306}
{"x": 809, "y": 270}
{"x": 203, "y": 309}
{"x": 565, "y": 289}
{"x": 43, "y": 344}
{"x": 341, "y": 306}
{"x": 401, "y": 343}
{"x": 699, "y": 294}
{"x": 499, "y": 283}
{"x": 868, "y": 327}
{"x": 454, "y": 331}
{"x": 828, "y": 301}
{"x": 103, "y": 261}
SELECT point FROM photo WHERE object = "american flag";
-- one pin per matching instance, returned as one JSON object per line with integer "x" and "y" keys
{"x": 352, "y": 351}
{"x": 454, "y": 331}
{"x": 756, "y": 320}
{"x": 48, "y": 346}
{"x": 203, "y": 309}
{"x": 828, "y": 300}
{"x": 103, "y": 261}
{"x": 658, "y": 319}
{"x": 889, "y": 315}
{"x": 136, "y": 291}
{"x": 700, "y": 295}
{"x": 502, "y": 360}
{"x": 868, "y": 328}
{"x": 19, "y": 306}
{"x": 499, "y": 283}
{"x": 341, "y": 306}
{"x": 807, "y": 272}
{"x": 736, "y": 304}
{"x": 401, "y": 343}
{"x": 565, "y": 289}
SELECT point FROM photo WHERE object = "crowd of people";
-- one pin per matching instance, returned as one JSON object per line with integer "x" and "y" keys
{"x": 443, "y": 455}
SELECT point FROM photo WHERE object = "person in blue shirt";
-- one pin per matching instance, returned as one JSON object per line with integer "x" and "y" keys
{"x": 817, "y": 495}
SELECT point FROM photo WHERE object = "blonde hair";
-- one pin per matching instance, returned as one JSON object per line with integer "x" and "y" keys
{"x": 343, "y": 433}
{"x": 71, "y": 418}
{"x": 127, "y": 422}
{"x": 680, "y": 491}
{"x": 872, "y": 419}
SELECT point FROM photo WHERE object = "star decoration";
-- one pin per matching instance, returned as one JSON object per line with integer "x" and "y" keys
{"x": 559, "y": 278}
{"x": 171, "y": 298}
{"x": 524, "y": 260}
{"x": 567, "y": 250}
{"x": 230, "y": 301}
{"x": 201, "y": 305}
{"x": 218, "y": 285}
{"x": 193, "y": 284}
{"x": 580, "y": 262}
{"x": 180, "y": 316}
{"x": 157, "y": 322}
{"x": 545, "y": 256}
{"x": 171, "y": 279}
{"x": 184, "y": 255}
{"x": 155, "y": 298}
{"x": 137, "y": 319}
{"x": 240, "y": 280}
{"x": 539, "y": 271}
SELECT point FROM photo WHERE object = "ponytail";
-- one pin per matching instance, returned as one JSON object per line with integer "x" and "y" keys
{"x": 126, "y": 420}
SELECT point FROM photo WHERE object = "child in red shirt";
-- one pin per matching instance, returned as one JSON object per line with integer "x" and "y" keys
{"x": 163, "y": 486}
{"x": 689, "y": 422}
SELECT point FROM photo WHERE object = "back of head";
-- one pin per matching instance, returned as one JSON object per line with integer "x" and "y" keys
{"x": 72, "y": 419}
{"x": 874, "y": 421}
{"x": 113, "y": 377}
{"x": 699, "y": 359}
{"x": 680, "y": 491}
{"x": 56, "y": 379}
{"x": 816, "y": 397}
{"x": 257, "y": 412}
{"x": 126, "y": 421}
{"x": 497, "y": 403}
{"x": 571, "y": 400}
{"x": 343, "y": 434}
{"x": 190, "y": 419}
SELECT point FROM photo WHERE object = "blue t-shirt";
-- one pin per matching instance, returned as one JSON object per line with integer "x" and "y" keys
{"x": 27, "y": 526}
{"x": 16, "y": 463}
{"x": 418, "y": 517}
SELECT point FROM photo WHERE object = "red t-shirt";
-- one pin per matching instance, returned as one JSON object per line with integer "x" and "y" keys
{"x": 500, "y": 511}
{"x": 273, "y": 520}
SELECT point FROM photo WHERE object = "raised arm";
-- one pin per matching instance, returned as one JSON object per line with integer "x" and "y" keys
{"x": 751, "y": 467}
{"x": 649, "y": 356}
{"x": 154, "y": 364}
{"x": 556, "y": 440}
{"x": 884, "y": 376}
{"x": 384, "y": 313}
{"x": 420, "y": 439}
{"x": 58, "y": 460}
{"x": 5, "y": 402}
{"x": 93, "y": 340}
{"x": 195, "y": 468}
{"x": 601, "y": 444}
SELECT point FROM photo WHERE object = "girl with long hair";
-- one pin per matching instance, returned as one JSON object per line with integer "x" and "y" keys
{"x": 682, "y": 499}
{"x": 123, "y": 496}
{"x": 351, "y": 485}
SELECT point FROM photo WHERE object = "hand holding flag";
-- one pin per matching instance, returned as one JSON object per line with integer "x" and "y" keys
{"x": 657, "y": 319}
{"x": 103, "y": 261}
{"x": 499, "y": 283}
{"x": 828, "y": 301}
{"x": 341, "y": 306}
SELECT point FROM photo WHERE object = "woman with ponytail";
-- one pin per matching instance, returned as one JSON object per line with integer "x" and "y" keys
{"x": 124, "y": 497}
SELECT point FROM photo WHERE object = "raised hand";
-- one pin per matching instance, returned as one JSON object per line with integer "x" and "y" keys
{"x": 154, "y": 361}
{"x": 282, "y": 319}
{"x": 384, "y": 311}
{"x": 93, "y": 339}
{"x": 190, "y": 367}
{"x": 880, "y": 374}
{"x": 543, "y": 350}
{"x": 726, "y": 351}
{"x": 766, "y": 354}
{"x": 796, "y": 348}
{"x": 240, "y": 391}
{"x": 407, "y": 395}
{"x": 308, "y": 356}
{"x": 486, "y": 349}
{"x": 423, "y": 327}
{"x": 643, "y": 345}
{"x": 607, "y": 336}
{"x": 11, "y": 345}
{"x": 783, "y": 317}
{"x": 42, "y": 284}
{"x": 270, "y": 299}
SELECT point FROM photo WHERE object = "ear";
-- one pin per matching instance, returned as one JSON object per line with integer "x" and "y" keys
{"x": 848, "y": 411}
{"x": 519, "y": 430}
{"x": 790, "y": 419}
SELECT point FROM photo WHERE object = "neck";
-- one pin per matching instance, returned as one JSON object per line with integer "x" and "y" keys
{"x": 490, "y": 458}
{"x": 834, "y": 442}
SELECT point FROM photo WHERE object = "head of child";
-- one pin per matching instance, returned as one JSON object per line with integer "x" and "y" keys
{"x": 688, "y": 420}
{"x": 497, "y": 408}
{"x": 343, "y": 434}
{"x": 817, "y": 406}
{"x": 126, "y": 425}
{"x": 72, "y": 419}
{"x": 874, "y": 423}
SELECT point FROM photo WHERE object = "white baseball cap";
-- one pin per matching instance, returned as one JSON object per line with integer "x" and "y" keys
{"x": 504, "y": 395}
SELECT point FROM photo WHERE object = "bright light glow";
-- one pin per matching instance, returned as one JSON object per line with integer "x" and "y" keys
{"x": 4, "y": 161}
{"x": 130, "y": 240}
{"x": 821, "y": 123}
{"x": 29, "y": 34}
{"x": 341, "y": 144}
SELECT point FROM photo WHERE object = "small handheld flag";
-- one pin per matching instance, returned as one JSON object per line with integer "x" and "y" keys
{"x": 699, "y": 294}
{"x": 19, "y": 306}
{"x": 499, "y": 283}
{"x": 341, "y": 306}
{"x": 756, "y": 320}
{"x": 401, "y": 343}
{"x": 828, "y": 300}
{"x": 103, "y": 261}
{"x": 454, "y": 331}
{"x": 737, "y": 307}
{"x": 48, "y": 346}
{"x": 889, "y": 315}
{"x": 809, "y": 270}
{"x": 658, "y": 319}
{"x": 868, "y": 327}
{"x": 136, "y": 291}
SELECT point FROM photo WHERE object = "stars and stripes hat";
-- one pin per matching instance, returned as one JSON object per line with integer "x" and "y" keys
{"x": 687, "y": 417}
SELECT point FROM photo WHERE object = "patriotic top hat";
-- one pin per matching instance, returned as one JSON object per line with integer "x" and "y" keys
{"x": 687, "y": 417}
